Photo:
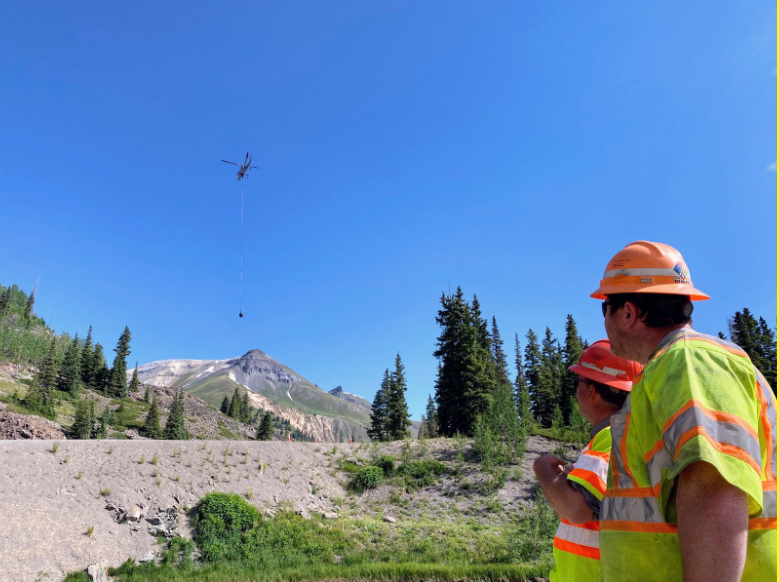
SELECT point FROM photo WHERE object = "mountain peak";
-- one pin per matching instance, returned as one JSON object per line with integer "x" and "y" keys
{"x": 254, "y": 354}
{"x": 336, "y": 391}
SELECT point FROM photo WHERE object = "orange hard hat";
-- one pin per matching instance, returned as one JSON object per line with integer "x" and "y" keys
{"x": 647, "y": 267}
{"x": 599, "y": 364}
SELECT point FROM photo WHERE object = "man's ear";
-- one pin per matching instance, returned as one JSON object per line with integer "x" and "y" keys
{"x": 632, "y": 315}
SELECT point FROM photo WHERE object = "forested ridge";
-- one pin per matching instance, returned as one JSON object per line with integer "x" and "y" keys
{"x": 475, "y": 394}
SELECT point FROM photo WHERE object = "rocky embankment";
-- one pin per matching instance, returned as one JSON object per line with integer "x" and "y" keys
{"x": 68, "y": 505}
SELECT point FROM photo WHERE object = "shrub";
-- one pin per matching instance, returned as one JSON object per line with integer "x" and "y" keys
{"x": 178, "y": 552}
{"x": 221, "y": 519}
{"x": 421, "y": 473}
{"x": 367, "y": 478}
{"x": 535, "y": 532}
{"x": 387, "y": 464}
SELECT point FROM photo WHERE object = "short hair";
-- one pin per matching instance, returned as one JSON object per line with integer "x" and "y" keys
{"x": 657, "y": 310}
{"x": 613, "y": 396}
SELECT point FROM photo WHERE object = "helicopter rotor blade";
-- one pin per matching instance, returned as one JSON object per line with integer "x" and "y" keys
{"x": 233, "y": 163}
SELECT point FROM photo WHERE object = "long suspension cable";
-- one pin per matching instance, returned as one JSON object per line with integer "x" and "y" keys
{"x": 240, "y": 308}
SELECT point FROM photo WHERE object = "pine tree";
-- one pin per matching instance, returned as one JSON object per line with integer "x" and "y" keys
{"x": 265, "y": 430}
{"x": 5, "y": 301}
{"x": 41, "y": 395}
{"x": 571, "y": 354}
{"x": 146, "y": 395}
{"x": 431, "y": 419}
{"x": 101, "y": 429}
{"x": 100, "y": 372}
{"x": 453, "y": 318}
{"x": 557, "y": 423}
{"x": 71, "y": 368}
{"x": 175, "y": 427}
{"x": 521, "y": 396}
{"x": 498, "y": 436}
{"x": 484, "y": 378}
{"x": 767, "y": 353}
{"x": 758, "y": 340}
{"x": 397, "y": 408}
{"x": 466, "y": 380}
{"x": 134, "y": 383}
{"x": 106, "y": 419}
{"x": 378, "y": 429}
{"x": 151, "y": 426}
{"x": 119, "y": 371}
{"x": 235, "y": 405}
{"x": 82, "y": 423}
{"x": 533, "y": 362}
{"x": 87, "y": 366}
{"x": 422, "y": 428}
{"x": 245, "y": 410}
{"x": 499, "y": 356}
{"x": 225, "y": 408}
{"x": 29, "y": 305}
{"x": 547, "y": 394}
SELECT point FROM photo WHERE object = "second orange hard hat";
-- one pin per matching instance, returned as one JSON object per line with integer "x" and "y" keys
{"x": 597, "y": 363}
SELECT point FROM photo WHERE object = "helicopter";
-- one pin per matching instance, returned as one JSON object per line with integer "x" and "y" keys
{"x": 243, "y": 168}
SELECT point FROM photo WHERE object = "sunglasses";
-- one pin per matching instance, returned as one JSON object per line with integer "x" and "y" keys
{"x": 604, "y": 307}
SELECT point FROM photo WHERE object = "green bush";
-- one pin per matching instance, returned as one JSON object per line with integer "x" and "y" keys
{"x": 387, "y": 465}
{"x": 421, "y": 473}
{"x": 348, "y": 466}
{"x": 533, "y": 537}
{"x": 367, "y": 478}
{"x": 220, "y": 521}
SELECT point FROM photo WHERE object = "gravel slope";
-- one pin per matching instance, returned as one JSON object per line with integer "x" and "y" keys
{"x": 49, "y": 500}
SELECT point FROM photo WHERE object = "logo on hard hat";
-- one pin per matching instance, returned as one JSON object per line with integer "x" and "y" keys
{"x": 683, "y": 272}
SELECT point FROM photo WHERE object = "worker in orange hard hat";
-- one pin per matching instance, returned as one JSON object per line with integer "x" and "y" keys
{"x": 603, "y": 382}
{"x": 692, "y": 491}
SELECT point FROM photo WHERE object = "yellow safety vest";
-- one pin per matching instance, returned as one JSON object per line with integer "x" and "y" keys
{"x": 699, "y": 399}
{"x": 576, "y": 553}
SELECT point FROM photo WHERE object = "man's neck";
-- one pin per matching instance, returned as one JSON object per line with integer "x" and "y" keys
{"x": 652, "y": 338}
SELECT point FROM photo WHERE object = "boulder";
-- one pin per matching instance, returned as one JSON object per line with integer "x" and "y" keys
{"x": 98, "y": 572}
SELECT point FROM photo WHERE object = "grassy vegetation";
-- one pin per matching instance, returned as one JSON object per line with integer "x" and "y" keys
{"x": 236, "y": 543}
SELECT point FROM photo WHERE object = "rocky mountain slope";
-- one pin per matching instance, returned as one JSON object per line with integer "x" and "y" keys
{"x": 334, "y": 416}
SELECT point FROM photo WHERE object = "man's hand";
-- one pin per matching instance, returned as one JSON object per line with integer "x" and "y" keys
{"x": 552, "y": 475}
{"x": 553, "y": 461}
{"x": 713, "y": 521}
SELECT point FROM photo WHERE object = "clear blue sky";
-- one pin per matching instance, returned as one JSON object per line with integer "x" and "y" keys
{"x": 405, "y": 148}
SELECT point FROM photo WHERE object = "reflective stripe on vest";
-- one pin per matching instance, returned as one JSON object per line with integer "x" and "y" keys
{"x": 580, "y": 540}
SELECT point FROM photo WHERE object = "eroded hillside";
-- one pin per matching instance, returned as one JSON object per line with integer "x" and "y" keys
{"x": 69, "y": 504}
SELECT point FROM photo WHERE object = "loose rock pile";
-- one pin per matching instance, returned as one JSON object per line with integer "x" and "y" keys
{"x": 18, "y": 426}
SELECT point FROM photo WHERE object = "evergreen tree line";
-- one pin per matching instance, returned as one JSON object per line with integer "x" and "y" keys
{"x": 239, "y": 408}
{"x": 757, "y": 339}
{"x": 83, "y": 365}
{"x": 389, "y": 412}
{"x": 472, "y": 378}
